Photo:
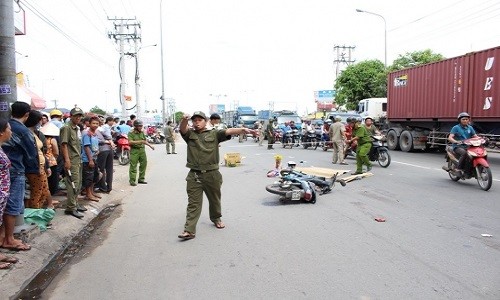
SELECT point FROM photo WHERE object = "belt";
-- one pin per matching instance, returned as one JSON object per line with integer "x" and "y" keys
{"x": 202, "y": 171}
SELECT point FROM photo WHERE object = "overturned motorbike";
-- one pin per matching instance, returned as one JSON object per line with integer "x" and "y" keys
{"x": 475, "y": 164}
{"x": 298, "y": 186}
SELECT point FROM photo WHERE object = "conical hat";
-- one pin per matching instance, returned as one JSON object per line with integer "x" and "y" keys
{"x": 50, "y": 129}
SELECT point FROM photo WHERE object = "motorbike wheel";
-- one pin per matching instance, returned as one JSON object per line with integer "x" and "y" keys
{"x": 484, "y": 177}
{"x": 124, "y": 157}
{"x": 315, "y": 144}
{"x": 384, "y": 159}
{"x": 452, "y": 175}
{"x": 289, "y": 142}
{"x": 305, "y": 144}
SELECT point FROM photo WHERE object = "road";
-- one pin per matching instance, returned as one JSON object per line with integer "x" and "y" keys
{"x": 430, "y": 246}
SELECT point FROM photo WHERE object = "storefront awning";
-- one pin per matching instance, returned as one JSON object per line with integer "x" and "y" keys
{"x": 26, "y": 95}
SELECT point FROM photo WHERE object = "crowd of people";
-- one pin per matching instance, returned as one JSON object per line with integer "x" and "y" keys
{"x": 50, "y": 151}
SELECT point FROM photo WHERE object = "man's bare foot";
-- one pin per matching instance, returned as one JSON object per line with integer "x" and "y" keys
{"x": 219, "y": 224}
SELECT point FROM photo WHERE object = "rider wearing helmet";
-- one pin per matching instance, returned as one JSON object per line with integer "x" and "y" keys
{"x": 363, "y": 137}
{"x": 137, "y": 140}
{"x": 458, "y": 134}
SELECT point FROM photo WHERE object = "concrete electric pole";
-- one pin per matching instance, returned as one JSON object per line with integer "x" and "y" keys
{"x": 8, "y": 85}
{"x": 342, "y": 52}
{"x": 125, "y": 30}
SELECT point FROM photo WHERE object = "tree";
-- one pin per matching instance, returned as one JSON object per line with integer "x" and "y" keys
{"x": 415, "y": 58}
{"x": 178, "y": 117}
{"x": 98, "y": 111}
{"x": 366, "y": 79}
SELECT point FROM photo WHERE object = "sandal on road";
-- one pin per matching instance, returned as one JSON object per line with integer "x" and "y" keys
{"x": 219, "y": 224}
{"x": 17, "y": 247}
{"x": 185, "y": 235}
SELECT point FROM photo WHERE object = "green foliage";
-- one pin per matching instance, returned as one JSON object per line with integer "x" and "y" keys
{"x": 411, "y": 59}
{"x": 178, "y": 116}
{"x": 366, "y": 79}
{"x": 97, "y": 110}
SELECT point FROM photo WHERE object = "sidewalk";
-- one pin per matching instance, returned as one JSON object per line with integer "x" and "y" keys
{"x": 49, "y": 250}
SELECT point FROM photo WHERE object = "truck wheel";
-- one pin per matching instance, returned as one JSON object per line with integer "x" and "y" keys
{"x": 406, "y": 141}
{"x": 392, "y": 140}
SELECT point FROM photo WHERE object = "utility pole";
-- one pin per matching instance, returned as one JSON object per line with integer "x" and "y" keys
{"x": 137, "y": 79}
{"x": 8, "y": 85}
{"x": 341, "y": 53}
{"x": 125, "y": 29}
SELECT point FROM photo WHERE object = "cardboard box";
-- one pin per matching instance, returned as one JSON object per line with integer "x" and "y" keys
{"x": 232, "y": 159}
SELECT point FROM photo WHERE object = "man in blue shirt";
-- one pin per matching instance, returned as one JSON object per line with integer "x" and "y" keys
{"x": 123, "y": 128}
{"x": 458, "y": 134}
{"x": 23, "y": 156}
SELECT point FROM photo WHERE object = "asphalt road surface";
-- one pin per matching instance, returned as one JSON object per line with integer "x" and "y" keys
{"x": 430, "y": 247}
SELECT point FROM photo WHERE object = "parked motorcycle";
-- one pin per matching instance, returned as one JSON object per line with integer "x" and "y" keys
{"x": 122, "y": 150}
{"x": 309, "y": 139}
{"x": 298, "y": 186}
{"x": 475, "y": 164}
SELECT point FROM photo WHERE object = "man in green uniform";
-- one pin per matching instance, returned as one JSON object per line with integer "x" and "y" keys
{"x": 71, "y": 149}
{"x": 137, "y": 140}
{"x": 270, "y": 134}
{"x": 363, "y": 136}
{"x": 170, "y": 137}
{"x": 204, "y": 176}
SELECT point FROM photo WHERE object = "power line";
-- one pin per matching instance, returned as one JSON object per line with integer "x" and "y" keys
{"x": 49, "y": 22}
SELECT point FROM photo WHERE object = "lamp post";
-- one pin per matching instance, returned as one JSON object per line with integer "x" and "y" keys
{"x": 163, "y": 100}
{"x": 385, "y": 32}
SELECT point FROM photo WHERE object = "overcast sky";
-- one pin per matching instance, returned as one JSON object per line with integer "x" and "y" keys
{"x": 249, "y": 52}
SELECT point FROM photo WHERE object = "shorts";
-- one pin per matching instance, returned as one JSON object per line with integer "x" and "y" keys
{"x": 88, "y": 174}
{"x": 15, "y": 203}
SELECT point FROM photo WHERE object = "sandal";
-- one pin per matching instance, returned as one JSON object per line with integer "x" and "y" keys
{"x": 91, "y": 199}
{"x": 5, "y": 266}
{"x": 219, "y": 224}
{"x": 18, "y": 247}
{"x": 8, "y": 259}
{"x": 185, "y": 235}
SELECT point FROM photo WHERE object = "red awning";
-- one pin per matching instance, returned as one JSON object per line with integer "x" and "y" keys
{"x": 26, "y": 95}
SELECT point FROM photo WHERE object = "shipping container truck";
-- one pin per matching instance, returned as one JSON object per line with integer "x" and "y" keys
{"x": 423, "y": 102}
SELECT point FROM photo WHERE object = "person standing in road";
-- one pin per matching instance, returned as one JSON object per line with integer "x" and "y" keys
{"x": 204, "y": 175}
{"x": 364, "y": 140}
{"x": 170, "y": 137}
{"x": 270, "y": 134}
{"x": 22, "y": 153}
{"x": 338, "y": 137}
{"x": 262, "y": 132}
{"x": 137, "y": 140}
{"x": 71, "y": 150}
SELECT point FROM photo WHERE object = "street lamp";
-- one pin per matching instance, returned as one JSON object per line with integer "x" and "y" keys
{"x": 163, "y": 100}
{"x": 385, "y": 32}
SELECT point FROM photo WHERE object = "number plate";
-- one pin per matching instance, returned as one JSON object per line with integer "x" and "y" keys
{"x": 295, "y": 195}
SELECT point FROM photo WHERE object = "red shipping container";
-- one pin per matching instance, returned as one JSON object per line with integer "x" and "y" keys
{"x": 439, "y": 91}
{"x": 484, "y": 97}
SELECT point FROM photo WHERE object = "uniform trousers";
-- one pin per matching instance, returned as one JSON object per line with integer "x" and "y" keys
{"x": 198, "y": 183}
{"x": 362, "y": 156}
{"x": 137, "y": 156}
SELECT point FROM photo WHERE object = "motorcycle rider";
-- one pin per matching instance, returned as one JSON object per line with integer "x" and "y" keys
{"x": 460, "y": 132}
{"x": 363, "y": 137}
{"x": 371, "y": 128}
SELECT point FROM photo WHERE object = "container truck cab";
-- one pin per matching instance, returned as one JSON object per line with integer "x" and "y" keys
{"x": 373, "y": 107}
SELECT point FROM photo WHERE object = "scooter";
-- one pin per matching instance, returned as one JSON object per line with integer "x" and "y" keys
{"x": 298, "y": 186}
{"x": 122, "y": 149}
{"x": 379, "y": 152}
{"x": 475, "y": 164}
{"x": 309, "y": 139}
